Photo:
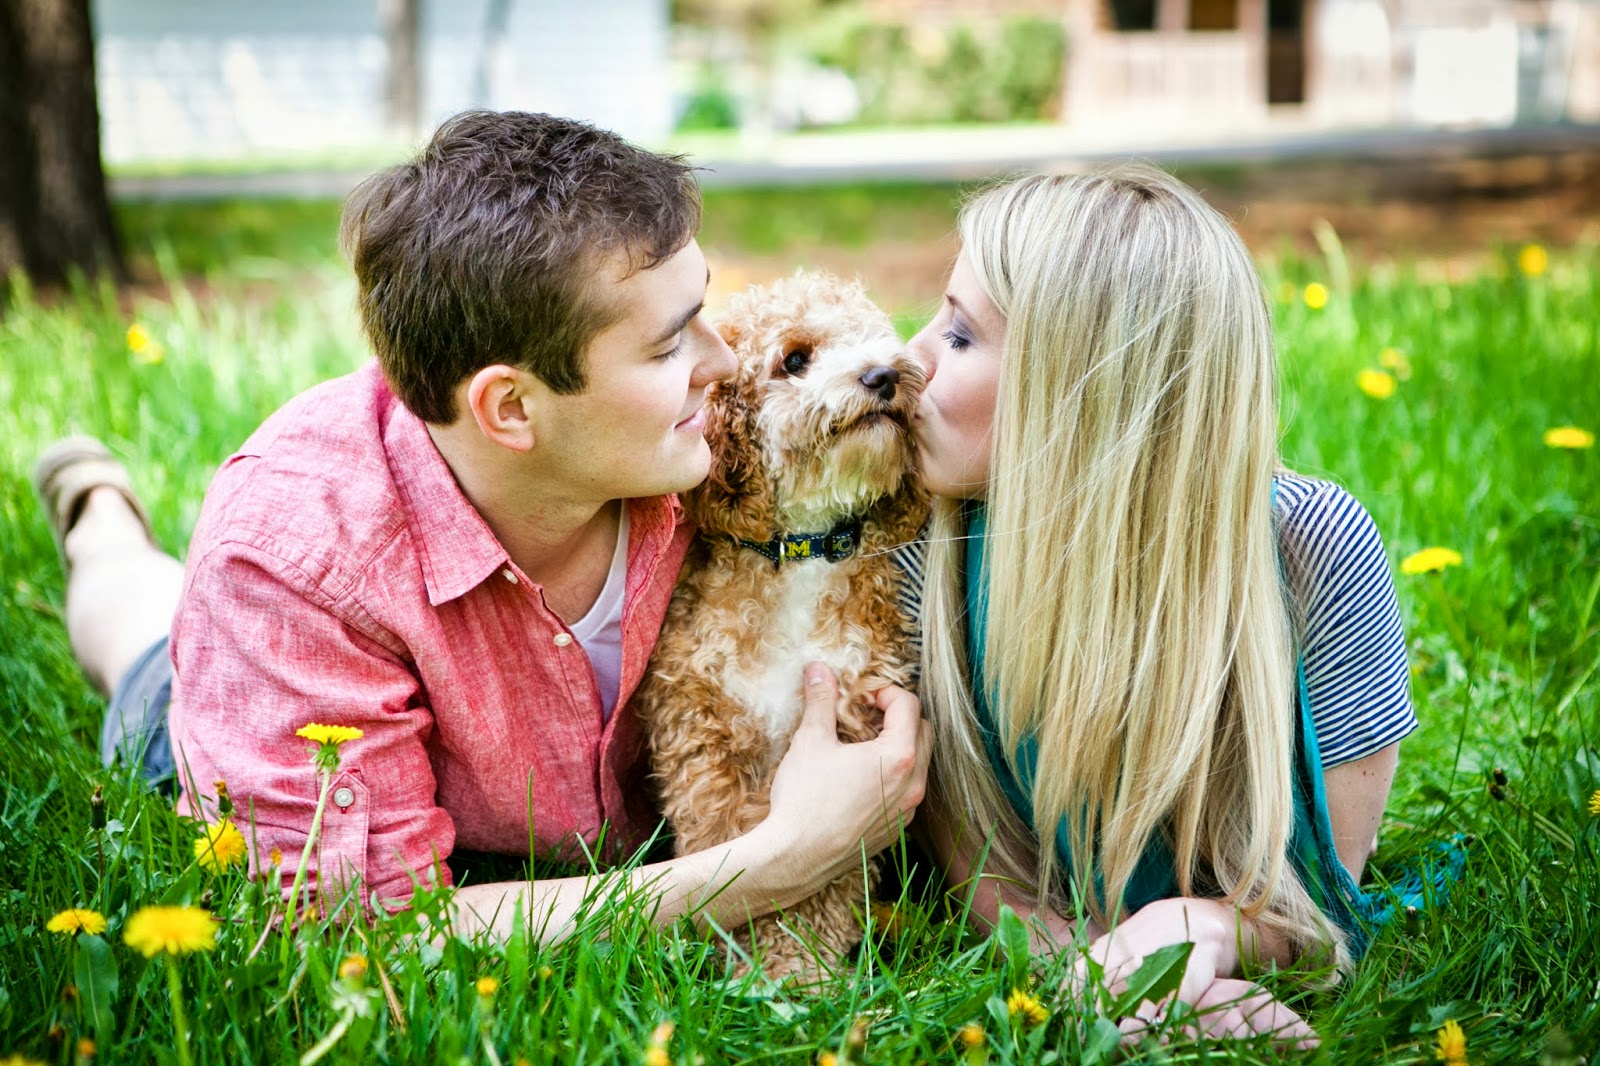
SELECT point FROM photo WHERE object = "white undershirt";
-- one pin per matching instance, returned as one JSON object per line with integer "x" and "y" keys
{"x": 599, "y": 632}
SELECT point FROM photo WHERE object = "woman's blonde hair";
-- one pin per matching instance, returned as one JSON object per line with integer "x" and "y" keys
{"x": 1138, "y": 626}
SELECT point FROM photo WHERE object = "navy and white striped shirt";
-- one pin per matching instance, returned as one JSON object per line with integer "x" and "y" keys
{"x": 1352, "y": 646}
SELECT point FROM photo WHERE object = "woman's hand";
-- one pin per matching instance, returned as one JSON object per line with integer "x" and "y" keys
{"x": 833, "y": 801}
{"x": 1224, "y": 1006}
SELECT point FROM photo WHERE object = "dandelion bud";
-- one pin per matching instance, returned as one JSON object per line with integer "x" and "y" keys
{"x": 1497, "y": 792}
{"x": 56, "y": 1034}
{"x": 1413, "y": 921}
{"x": 353, "y": 968}
{"x": 970, "y": 1035}
{"x": 856, "y": 1039}
{"x": 1499, "y": 776}
{"x": 97, "y": 808}
{"x": 224, "y": 801}
{"x": 545, "y": 973}
{"x": 206, "y": 897}
{"x": 69, "y": 992}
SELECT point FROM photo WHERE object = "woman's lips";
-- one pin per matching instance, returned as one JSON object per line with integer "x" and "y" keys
{"x": 695, "y": 423}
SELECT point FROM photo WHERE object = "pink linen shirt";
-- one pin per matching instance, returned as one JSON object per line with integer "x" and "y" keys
{"x": 337, "y": 574}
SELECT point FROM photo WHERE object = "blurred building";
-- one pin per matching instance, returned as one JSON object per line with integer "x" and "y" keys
{"x": 196, "y": 79}
{"x": 1333, "y": 62}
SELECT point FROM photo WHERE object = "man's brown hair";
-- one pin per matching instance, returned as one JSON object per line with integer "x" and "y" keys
{"x": 482, "y": 250}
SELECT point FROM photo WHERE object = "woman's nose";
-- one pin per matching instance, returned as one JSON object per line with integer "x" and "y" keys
{"x": 919, "y": 349}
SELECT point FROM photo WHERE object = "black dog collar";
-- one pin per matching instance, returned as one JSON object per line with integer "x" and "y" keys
{"x": 837, "y": 544}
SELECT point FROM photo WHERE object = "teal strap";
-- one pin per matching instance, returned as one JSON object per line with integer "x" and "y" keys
{"x": 1311, "y": 846}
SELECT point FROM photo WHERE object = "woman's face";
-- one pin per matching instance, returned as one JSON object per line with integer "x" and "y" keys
{"x": 960, "y": 351}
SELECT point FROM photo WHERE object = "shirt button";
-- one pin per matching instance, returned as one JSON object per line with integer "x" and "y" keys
{"x": 563, "y": 639}
{"x": 509, "y": 576}
{"x": 344, "y": 797}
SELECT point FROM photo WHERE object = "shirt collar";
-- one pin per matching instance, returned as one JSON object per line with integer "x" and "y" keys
{"x": 455, "y": 546}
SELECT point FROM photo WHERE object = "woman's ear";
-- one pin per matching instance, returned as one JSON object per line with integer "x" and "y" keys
{"x": 500, "y": 400}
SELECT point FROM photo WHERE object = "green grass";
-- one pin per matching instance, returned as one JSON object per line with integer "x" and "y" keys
{"x": 1505, "y": 651}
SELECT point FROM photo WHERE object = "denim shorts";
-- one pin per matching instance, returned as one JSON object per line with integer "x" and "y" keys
{"x": 135, "y": 730}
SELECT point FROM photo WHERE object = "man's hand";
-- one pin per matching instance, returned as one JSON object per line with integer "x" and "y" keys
{"x": 831, "y": 801}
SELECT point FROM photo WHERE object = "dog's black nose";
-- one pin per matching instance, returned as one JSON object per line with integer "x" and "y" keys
{"x": 881, "y": 380}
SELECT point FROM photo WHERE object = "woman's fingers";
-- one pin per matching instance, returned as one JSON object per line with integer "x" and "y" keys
{"x": 1242, "y": 1009}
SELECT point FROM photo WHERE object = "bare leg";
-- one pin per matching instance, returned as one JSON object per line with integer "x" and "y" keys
{"x": 121, "y": 589}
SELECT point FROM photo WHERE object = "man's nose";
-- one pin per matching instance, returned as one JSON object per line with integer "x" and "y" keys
{"x": 718, "y": 362}
{"x": 881, "y": 380}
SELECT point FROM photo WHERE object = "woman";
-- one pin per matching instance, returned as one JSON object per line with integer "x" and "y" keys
{"x": 1129, "y": 603}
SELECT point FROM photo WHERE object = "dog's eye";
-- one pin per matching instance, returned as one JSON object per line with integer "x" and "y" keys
{"x": 796, "y": 360}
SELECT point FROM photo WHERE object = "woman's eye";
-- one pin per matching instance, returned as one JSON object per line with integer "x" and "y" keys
{"x": 957, "y": 341}
{"x": 796, "y": 361}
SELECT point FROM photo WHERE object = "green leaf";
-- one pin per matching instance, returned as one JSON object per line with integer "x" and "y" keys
{"x": 1157, "y": 977}
{"x": 94, "y": 971}
{"x": 1012, "y": 936}
{"x": 1104, "y": 1038}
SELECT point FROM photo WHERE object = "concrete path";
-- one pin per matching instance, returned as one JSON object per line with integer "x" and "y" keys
{"x": 960, "y": 155}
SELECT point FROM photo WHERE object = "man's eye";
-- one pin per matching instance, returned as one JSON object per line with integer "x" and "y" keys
{"x": 796, "y": 360}
{"x": 665, "y": 356}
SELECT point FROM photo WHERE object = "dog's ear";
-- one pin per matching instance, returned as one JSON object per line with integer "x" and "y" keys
{"x": 735, "y": 499}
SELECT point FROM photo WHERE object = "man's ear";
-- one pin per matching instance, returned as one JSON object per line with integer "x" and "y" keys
{"x": 501, "y": 400}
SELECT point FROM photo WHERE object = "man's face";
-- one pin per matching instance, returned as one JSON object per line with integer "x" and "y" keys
{"x": 638, "y": 428}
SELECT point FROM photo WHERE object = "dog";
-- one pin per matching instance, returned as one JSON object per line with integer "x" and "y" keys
{"x": 811, "y": 488}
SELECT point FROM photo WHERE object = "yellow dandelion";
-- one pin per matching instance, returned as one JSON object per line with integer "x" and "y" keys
{"x": 888, "y": 919}
{"x": 353, "y": 968}
{"x": 1393, "y": 359}
{"x": 1452, "y": 1048}
{"x": 75, "y": 920}
{"x": 1378, "y": 384}
{"x": 545, "y": 973}
{"x": 827, "y": 1058}
{"x": 18, "y": 1060}
{"x": 1428, "y": 560}
{"x": 656, "y": 1055}
{"x": 1030, "y": 1010}
{"x": 220, "y": 846}
{"x": 1568, "y": 437}
{"x": 143, "y": 346}
{"x": 328, "y": 734}
{"x": 487, "y": 986}
{"x": 1594, "y": 802}
{"x": 970, "y": 1035}
{"x": 275, "y": 856}
{"x": 1315, "y": 296}
{"x": 174, "y": 930}
{"x": 86, "y": 1048}
{"x": 1533, "y": 260}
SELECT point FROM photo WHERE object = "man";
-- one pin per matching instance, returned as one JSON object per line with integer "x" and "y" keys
{"x": 466, "y": 552}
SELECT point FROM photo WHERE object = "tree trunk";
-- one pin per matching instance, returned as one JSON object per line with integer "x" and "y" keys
{"x": 402, "y": 23}
{"x": 55, "y": 216}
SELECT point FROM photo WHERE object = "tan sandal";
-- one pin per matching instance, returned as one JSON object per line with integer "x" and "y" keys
{"x": 64, "y": 476}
